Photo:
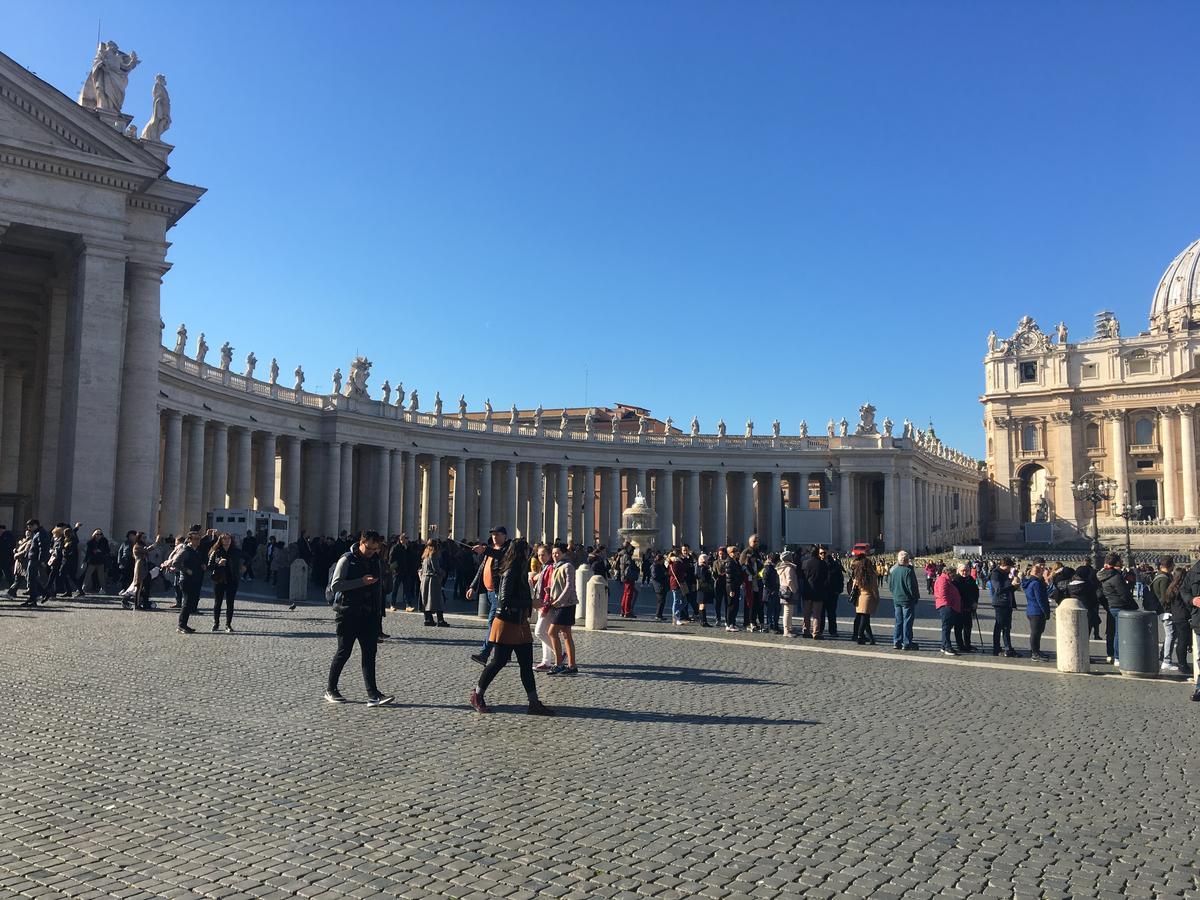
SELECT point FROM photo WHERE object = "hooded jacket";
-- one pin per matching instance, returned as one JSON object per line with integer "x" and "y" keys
{"x": 1114, "y": 591}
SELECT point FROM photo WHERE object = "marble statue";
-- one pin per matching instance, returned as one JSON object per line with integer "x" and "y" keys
{"x": 180, "y": 339}
{"x": 251, "y": 362}
{"x": 387, "y": 392}
{"x": 720, "y": 428}
{"x": 337, "y": 380}
{"x": 1061, "y": 331}
{"x": 131, "y": 131}
{"x": 589, "y": 420}
{"x": 695, "y": 426}
{"x": 562, "y": 422}
{"x": 299, "y": 376}
{"x": 1043, "y": 510}
{"x": 670, "y": 423}
{"x": 413, "y": 402}
{"x": 537, "y": 416}
{"x": 160, "y": 111}
{"x": 274, "y": 370}
{"x": 992, "y": 341}
{"x": 201, "y": 349}
{"x": 908, "y": 428}
{"x": 888, "y": 425}
{"x": 641, "y": 425}
{"x": 775, "y": 428}
{"x": 749, "y": 428}
{"x": 616, "y": 425}
{"x": 487, "y": 410}
{"x": 462, "y": 406}
{"x": 804, "y": 428}
{"x": 400, "y": 395}
{"x": 843, "y": 427}
{"x": 104, "y": 88}
{"x": 226, "y": 356}
{"x": 830, "y": 426}
{"x": 866, "y": 420}
{"x": 512, "y": 416}
{"x": 437, "y": 403}
{"x": 356, "y": 384}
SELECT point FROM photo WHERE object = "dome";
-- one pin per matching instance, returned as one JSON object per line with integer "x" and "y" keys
{"x": 1178, "y": 295}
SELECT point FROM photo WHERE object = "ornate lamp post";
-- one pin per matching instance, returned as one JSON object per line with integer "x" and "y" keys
{"x": 1094, "y": 487}
{"x": 1128, "y": 511}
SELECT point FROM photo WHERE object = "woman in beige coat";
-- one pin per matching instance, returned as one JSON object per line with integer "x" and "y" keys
{"x": 864, "y": 585}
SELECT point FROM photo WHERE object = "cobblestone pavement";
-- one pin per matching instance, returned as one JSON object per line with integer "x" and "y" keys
{"x": 136, "y": 762}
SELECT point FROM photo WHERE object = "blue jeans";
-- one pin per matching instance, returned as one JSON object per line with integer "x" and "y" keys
{"x": 948, "y": 616}
{"x": 487, "y": 645}
{"x": 679, "y": 604}
{"x": 902, "y": 633}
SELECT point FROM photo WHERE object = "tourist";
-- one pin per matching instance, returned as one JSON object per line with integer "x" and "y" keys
{"x": 1037, "y": 607}
{"x": 629, "y": 586}
{"x": 1003, "y": 583}
{"x": 563, "y": 600}
{"x": 398, "y": 563}
{"x": 835, "y": 582}
{"x": 125, "y": 560}
{"x": 864, "y": 586}
{"x": 487, "y": 579}
{"x": 815, "y": 571}
{"x": 948, "y": 603}
{"x": 1159, "y": 585}
{"x": 542, "y": 567}
{"x": 169, "y": 566}
{"x": 357, "y": 595}
{"x": 771, "y": 594}
{"x": 720, "y": 592}
{"x": 789, "y": 589}
{"x": 750, "y": 598}
{"x": 677, "y": 582}
{"x": 510, "y": 629}
{"x": 249, "y": 549}
{"x": 688, "y": 563}
{"x": 902, "y": 583}
{"x": 8, "y": 544}
{"x": 968, "y": 593}
{"x": 64, "y": 561}
{"x": 1087, "y": 592}
{"x": 1180, "y": 612}
{"x": 224, "y": 571}
{"x": 431, "y": 575}
{"x": 659, "y": 583}
{"x": 734, "y": 576}
{"x": 705, "y": 588}
{"x": 190, "y": 566}
{"x": 37, "y": 563}
{"x": 1115, "y": 596}
{"x": 752, "y": 561}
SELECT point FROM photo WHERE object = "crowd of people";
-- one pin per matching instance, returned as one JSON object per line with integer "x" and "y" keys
{"x": 796, "y": 592}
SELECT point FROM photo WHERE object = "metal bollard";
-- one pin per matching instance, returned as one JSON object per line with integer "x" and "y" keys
{"x": 1137, "y": 643}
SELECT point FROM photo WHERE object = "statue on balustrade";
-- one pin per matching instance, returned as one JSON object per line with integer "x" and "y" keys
{"x": 337, "y": 380}
{"x": 775, "y": 426}
{"x": 180, "y": 339}
{"x": 413, "y": 402}
{"x": 830, "y": 426}
{"x": 843, "y": 427}
{"x": 695, "y": 426}
{"x": 437, "y": 403}
{"x": 356, "y": 384}
{"x": 563, "y": 422}
{"x": 400, "y": 395}
{"x": 387, "y": 392}
{"x": 537, "y": 416}
{"x": 512, "y": 416}
{"x": 274, "y": 371}
{"x": 804, "y": 428}
{"x": 251, "y": 362}
{"x": 487, "y": 410}
{"x": 888, "y": 425}
{"x": 226, "y": 356}
{"x": 106, "y": 83}
{"x": 720, "y": 428}
{"x": 299, "y": 376}
{"x": 462, "y": 406}
{"x": 160, "y": 112}
{"x": 201, "y": 349}
{"x": 749, "y": 428}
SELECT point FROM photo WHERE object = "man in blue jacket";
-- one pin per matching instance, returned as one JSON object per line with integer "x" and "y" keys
{"x": 902, "y": 582}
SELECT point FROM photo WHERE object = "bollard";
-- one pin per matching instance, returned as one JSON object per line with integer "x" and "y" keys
{"x": 582, "y": 576}
{"x": 482, "y": 604}
{"x": 1137, "y": 643}
{"x": 298, "y": 581}
{"x": 1073, "y": 634}
{"x": 597, "y": 603}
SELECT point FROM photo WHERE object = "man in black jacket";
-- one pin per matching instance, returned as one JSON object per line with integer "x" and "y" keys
{"x": 358, "y": 597}
{"x": 249, "y": 549}
{"x": 37, "y": 560}
{"x": 8, "y": 543}
{"x": 815, "y": 571}
{"x": 1116, "y": 596}
{"x": 190, "y": 567}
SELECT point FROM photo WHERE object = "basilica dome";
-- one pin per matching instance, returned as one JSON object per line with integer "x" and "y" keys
{"x": 1177, "y": 298}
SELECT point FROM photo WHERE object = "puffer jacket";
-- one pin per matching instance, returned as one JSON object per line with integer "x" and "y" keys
{"x": 1114, "y": 592}
{"x": 1037, "y": 603}
{"x": 945, "y": 593}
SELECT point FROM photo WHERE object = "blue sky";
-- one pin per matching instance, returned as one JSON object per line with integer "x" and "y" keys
{"x": 723, "y": 209}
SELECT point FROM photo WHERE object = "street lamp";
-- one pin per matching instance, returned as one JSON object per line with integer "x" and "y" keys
{"x": 1128, "y": 511}
{"x": 1094, "y": 487}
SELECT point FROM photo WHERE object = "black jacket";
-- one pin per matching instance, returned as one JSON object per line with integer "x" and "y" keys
{"x": 190, "y": 566}
{"x": 39, "y": 547}
{"x": 968, "y": 590}
{"x": 493, "y": 553}
{"x": 1004, "y": 592}
{"x": 512, "y": 592}
{"x": 227, "y": 561}
{"x": 357, "y": 601}
{"x": 1114, "y": 592}
{"x": 816, "y": 578}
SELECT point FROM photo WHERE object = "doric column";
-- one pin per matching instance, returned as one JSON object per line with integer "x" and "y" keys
{"x": 588, "y": 501}
{"x": 346, "y": 509}
{"x": 1120, "y": 454}
{"x": 242, "y": 492}
{"x": 10, "y": 426}
{"x": 891, "y": 512}
{"x": 460, "y": 499}
{"x": 331, "y": 510}
{"x": 510, "y": 496}
{"x": 485, "y": 499}
{"x": 846, "y": 501}
{"x": 907, "y": 513}
{"x": 613, "y": 499}
{"x": 193, "y": 506}
{"x": 642, "y": 485}
{"x": 562, "y": 519}
{"x": 170, "y": 514}
{"x": 665, "y": 482}
{"x": 431, "y": 501}
{"x": 537, "y": 503}
{"x": 381, "y": 491}
{"x": 691, "y": 508}
{"x": 395, "y": 519}
{"x": 291, "y": 481}
{"x": 748, "y": 521}
{"x": 265, "y": 492}
{"x": 1170, "y": 464}
{"x": 1187, "y": 442}
{"x": 219, "y": 478}
{"x": 774, "y": 535}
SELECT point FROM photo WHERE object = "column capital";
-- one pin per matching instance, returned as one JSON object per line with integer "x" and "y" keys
{"x": 1168, "y": 410}
{"x": 148, "y": 271}
{"x": 172, "y": 413}
{"x": 1186, "y": 410}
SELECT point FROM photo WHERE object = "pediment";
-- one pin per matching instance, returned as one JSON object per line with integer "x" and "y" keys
{"x": 36, "y": 117}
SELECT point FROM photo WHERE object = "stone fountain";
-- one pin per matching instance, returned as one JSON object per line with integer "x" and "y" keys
{"x": 640, "y": 527}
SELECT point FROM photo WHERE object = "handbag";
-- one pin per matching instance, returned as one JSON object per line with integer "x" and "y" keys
{"x": 510, "y": 614}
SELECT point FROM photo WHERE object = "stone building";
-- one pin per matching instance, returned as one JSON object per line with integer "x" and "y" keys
{"x": 1053, "y": 408}
{"x": 104, "y": 424}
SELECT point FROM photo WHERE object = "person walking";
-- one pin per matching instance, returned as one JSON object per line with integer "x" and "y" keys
{"x": 864, "y": 585}
{"x": 902, "y": 583}
{"x": 509, "y": 633}
{"x": 563, "y": 600}
{"x": 224, "y": 571}
{"x": 1003, "y": 583}
{"x": 189, "y": 565}
{"x": 431, "y": 574}
{"x": 948, "y": 603}
{"x": 1115, "y": 596}
{"x": 487, "y": 579}
{"x": 1159, "y": 586}
{"x": 539, "y": 585}
{"x": 1037, "y": 608}
{"x": 659, "y": 582}
{"x": 356, "y": 596}
{"x": 629, "y": 587}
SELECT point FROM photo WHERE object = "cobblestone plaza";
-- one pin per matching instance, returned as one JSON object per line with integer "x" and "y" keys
{"x": 137, "y": 764}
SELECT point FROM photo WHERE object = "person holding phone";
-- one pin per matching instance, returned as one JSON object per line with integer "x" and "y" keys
{"x": 357, "y": 594}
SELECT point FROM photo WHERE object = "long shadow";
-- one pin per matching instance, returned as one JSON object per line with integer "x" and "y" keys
{"x": 671, "y": 673}
{"x": 432, "y": 640}
{"x": 626, "y": 715}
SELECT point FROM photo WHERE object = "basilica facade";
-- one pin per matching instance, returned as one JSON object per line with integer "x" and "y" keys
{"x": 1123, "y": 404}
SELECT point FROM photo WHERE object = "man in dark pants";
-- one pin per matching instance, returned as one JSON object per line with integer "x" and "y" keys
{"x": 190, "y": 567}
{"x": 1003, "y": 582}
{"x": 487, "y": 578}
{"x": 835, "y": 582}
{"x": 37, "y": 561}
{"x": 125, "y": 560}
{"x": 8, "y": 543}
{"x": 249, "y": 548}
{"x": 357, "y": 601}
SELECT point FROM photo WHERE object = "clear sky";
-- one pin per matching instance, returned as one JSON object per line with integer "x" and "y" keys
{"x": 740, "y": 209}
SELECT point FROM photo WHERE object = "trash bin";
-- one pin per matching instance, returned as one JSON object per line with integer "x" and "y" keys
{"x": 1137, "y": 643}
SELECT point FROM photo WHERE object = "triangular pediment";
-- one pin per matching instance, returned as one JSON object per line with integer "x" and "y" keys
{"x": 38, "y": 118}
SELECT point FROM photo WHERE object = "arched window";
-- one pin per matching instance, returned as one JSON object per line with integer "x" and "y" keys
{"x": 1143, "y": 432}
{"x": 1029, "y": 437}
{"x": 1091, "y": 436}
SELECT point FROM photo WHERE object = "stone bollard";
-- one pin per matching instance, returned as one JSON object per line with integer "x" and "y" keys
{"x": 1072, "y": 632}
{"x": 298, "y": 581}
{"x": 582, "y": 576}
{"x": 597, "y": 603}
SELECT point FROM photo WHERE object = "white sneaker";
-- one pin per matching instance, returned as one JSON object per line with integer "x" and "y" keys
{"x": 1169, "y": 667}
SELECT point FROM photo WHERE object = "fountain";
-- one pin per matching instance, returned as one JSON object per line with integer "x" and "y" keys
{"x": 639, "y": 526}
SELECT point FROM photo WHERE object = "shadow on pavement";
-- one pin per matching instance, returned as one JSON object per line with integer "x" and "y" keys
{"x": 670, "y": 673}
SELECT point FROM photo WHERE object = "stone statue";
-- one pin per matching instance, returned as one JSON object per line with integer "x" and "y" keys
{"x": 908, "y": 428}
{"x": 437, "y": 403}
{"x": 299, "y": 376}
{"x": 251, "y": 362}
{"x": 562, "y": 422}
{"x": 992, "y": 341}
{"x": 804, "y": 428}
{"x": 337, "y": 380}
{"x": 160, "y": 112}
{"x": 695, "y": 426}
{"x": 866, "y": 420}
{"x": 274, "y": 370}
{"x": 201, "y": 349}
{"x": 589, "y": 420}
{"x": 616, "y": 425}
{"x": 749, "y": 428}
{"x": 720, "y": 428}
{"x": 512, "y": 417}
{"x": 462, "y": 406}
{"x": 226, "y": 356}
{"x": 1061, "y": 331}
{"x": 487, "y": 410}
{"x": 1043, "y": 511}
{"x": 843, "y": 427}
{"x": 829, "y": 427}
{"x": 888, "y": 425}
{"x": 641, "y": 425}
{"x": 775, "y": 428}
{"x": 104, "y": 88}
{"x": 387, "y": 392}
{"x": 670, "y": 423}
{"x": 537, "y": 416}
{"x": 131, "y": 131}
{"x": 180, "y": 339}
{"x": 400, "y": 395}
{"x": 356, "y": 384}
{"x": 413, "y": 402}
